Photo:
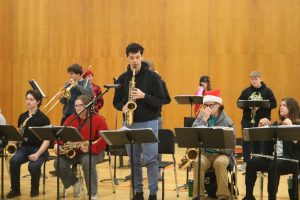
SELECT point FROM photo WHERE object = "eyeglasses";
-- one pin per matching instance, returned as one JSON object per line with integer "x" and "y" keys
{"x": 79, "y": 105}
{"x": 210, "y": 105}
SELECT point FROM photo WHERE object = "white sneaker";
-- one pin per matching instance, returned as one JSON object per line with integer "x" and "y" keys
{"x": 242, "y": 167}
{"x": 94, "y": 197}
{"x": 77, "y": 188}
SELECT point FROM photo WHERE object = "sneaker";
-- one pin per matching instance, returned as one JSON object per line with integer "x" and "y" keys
{"x": 242, "y": 167}
{"x": 94, "y": 197}
{"x": 138, "y": 196}
{"x": 13, "y": 194}
{"x": 77, "y": 188}
{"x": 152, "y": 197}
{"x": 34, "y": 193}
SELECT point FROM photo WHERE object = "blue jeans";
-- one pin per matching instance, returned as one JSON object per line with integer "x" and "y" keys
{"x": 34, "y": 167}
{"x": 159, "y": 158}
{"x": 150, "y": 154}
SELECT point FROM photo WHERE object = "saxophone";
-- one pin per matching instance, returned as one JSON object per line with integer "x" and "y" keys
{"x": 189, "y": 157}
{"x": 11, "y": 148}
{"x": 131, "y": 104}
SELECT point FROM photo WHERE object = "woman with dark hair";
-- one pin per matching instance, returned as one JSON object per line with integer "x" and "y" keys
{"x": 32, "y": 149}
{"x": 204, "y": 85}
{"x": 82, "y": 123}
{"x": 288, "y": 115}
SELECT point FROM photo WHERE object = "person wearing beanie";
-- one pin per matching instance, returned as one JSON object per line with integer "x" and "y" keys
{"x": 204, "y": 85}
{"x": 212, "y": 114}
{"x": 258, "y": 90}
{"x": 89, "y": 75}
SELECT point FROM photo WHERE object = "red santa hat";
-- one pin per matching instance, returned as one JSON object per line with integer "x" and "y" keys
{"x": 88, "y": 72}
{"x": 212, "y": 96}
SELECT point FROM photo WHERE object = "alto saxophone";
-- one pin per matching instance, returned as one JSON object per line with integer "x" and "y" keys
{"x": 131, "y": 104}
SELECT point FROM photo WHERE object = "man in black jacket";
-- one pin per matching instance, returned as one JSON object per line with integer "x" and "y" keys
{"x": 148, "y": 94}
{"x": 257, "y": 91}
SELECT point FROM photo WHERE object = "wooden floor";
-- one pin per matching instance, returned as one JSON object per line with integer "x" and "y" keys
{"x": 122, "y": 190}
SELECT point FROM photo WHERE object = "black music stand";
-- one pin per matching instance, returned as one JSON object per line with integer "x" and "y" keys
{"x": 59, "y": 133}
{"x": 214, "y": 137}
{"x": 129, "y": 136}
{"x": 7, "y": 133}
{"x": 272, "y": 133}
{"x": 188, "y": 121}
{"x": 254, "y": 105}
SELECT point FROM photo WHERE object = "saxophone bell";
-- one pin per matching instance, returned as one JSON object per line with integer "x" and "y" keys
{"x": 11, "y": 149}
{"x": 188, "y": 159}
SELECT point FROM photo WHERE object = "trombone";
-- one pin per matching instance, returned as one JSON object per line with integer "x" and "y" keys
{"x": 64, "y": 92}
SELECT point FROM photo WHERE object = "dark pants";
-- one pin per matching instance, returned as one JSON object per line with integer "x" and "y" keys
{"x": 251, "y": 147}
{"x": 261, "y": 164}
{"x": 34, "y": 167}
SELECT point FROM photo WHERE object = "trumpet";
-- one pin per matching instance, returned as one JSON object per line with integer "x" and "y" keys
{"x": 189, "y": 157}
{"x": 64, "y": 92}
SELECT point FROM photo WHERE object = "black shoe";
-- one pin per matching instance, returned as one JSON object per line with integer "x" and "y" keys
{"x": 34, "y": 193}
{"x": 13, "y": 194}
{"x": 138, "y": 196}
{"x": 249, "y": 198}
{"x": 53, "y": 173}
{"x": 152, "y": 197}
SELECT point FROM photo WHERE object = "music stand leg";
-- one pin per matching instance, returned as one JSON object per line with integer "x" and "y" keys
{"x": 2, "y": 169}
{"x": 132, "y": 168}
{"x": 199, "y": 169}
{"x": 58, "y": 170}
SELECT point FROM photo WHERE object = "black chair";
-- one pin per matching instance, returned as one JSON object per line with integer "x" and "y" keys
{"x": 166, "y": 145}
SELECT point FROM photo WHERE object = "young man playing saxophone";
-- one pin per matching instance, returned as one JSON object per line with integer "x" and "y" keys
{"x": 148, "y": 94}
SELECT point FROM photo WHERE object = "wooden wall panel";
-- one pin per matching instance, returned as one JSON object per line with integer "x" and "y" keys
{"x": 224, "y": 39}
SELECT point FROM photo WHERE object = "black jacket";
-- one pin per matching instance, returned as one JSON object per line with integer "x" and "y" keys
{"x": 149, "y": 83}
{"x": 251, "y": 93}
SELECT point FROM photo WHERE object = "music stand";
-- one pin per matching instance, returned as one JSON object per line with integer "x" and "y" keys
{"x": 254, "y": 105}
{"x": 59, "y": 133}
{"x": 214, "y": 137}
{"x": 129, "y": 136}
{"x": 7, "y": 133}
{"x": 188, "y": 121}
{"x": 272, "y": 133}
{"x": 189, "y": 99}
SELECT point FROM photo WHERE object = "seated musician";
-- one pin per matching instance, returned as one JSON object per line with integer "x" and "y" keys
{"x": 67, "y": 175}
{"x": 288, "y": 115}
{"x": 32, "y": 149}
{"x": 212, "y": 114}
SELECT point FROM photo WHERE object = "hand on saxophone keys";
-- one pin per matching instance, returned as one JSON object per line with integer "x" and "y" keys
{"x": 137, "y": 94}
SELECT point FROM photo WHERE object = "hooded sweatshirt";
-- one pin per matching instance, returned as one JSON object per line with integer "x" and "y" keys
{"x": 148, "y": 82}
{"x": 261, "y": 93}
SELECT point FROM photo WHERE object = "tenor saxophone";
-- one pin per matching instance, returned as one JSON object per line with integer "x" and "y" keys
{"x": 131, "y": 104}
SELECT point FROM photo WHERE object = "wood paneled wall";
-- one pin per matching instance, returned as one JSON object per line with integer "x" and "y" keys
{"x": 225, "y": 39}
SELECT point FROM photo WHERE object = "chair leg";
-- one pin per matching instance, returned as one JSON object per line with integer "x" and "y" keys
{"x": 111, "y": 176}
{"x": 175, "y": 175}
{"x": 163, "y": 183}
{"x": 44, "y": 176}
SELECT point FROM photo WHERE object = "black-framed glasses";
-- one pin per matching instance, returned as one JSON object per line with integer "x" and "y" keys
{"x": 211, "y": 105}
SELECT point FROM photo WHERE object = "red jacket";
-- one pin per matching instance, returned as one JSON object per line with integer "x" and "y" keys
{"x": 98, "y": 123}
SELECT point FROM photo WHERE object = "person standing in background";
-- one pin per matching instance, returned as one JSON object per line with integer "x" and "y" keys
{"x": 167, "y": 100}
{"x": 89, "y": 75}
{"x": 204, "y": 85}
{"x": 256, "y": 91}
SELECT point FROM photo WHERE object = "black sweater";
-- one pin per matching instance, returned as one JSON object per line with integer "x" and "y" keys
{"x": 148, "y": 82}
{"x": 252, "y": 93}
{"x": 38, "y": 119}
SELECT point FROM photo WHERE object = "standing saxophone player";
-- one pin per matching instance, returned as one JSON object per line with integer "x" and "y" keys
{"x": 32, "y": 150}
{"x": 148, "y": 94}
